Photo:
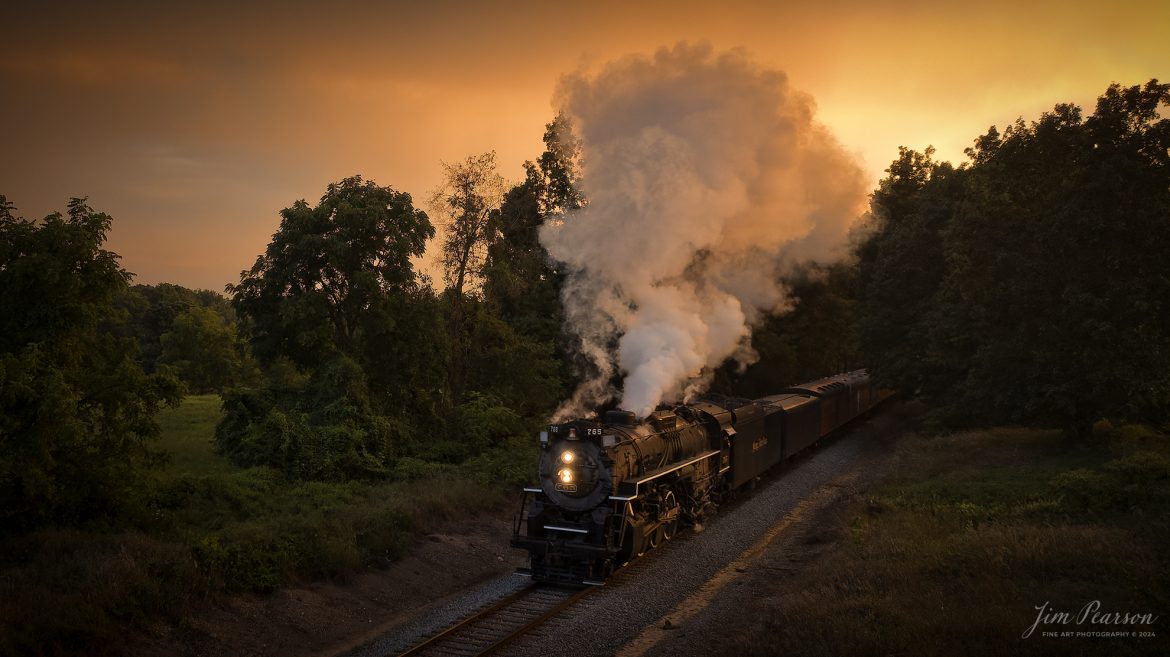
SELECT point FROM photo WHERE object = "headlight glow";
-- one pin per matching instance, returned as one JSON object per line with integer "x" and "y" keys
{"x": 565, "y": 475}
{"x": 567, "y": 457}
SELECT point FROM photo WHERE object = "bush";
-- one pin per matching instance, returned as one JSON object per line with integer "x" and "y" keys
{"x": 508, "y": 467}
{"x": 1136, "y": 482}
{"x": 324, "y": 429}
{"x": 410, "y": 468}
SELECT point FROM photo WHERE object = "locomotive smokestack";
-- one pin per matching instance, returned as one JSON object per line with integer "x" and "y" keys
{"x": 706, "y": 178}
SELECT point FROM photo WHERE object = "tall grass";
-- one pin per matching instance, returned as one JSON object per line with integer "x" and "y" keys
{"x": 187, "y": 434}
{"x": 954, "y": 551}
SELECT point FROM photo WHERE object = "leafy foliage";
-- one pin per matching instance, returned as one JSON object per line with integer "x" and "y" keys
{"x": 151, "y": 311}
{"x": 519, "y": 350}
{"x": 467, "y": 199}
{"x": 325, "y": 429}
{"x": 205, "y": 351}
{"x": 76, "y": 409}
{"x": 1029, "y": 288}
{"x": 348, "y": 332}
{"x": 902, "y": 268}
{"x": 311, "y": 294}
{"x": 471, "y": 193}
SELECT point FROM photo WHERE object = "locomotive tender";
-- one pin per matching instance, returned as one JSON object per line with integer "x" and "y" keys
{"x": 611, "y": 490}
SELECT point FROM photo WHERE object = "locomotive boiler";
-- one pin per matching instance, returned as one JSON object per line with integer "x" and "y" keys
{"x": 612, "y": 489}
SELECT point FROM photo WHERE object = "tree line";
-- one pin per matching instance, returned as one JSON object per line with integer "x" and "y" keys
{"x": 1031, "y": 285}
{"x": 1026, "y": 286}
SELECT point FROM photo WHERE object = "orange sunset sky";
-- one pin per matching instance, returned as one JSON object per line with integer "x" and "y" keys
{"x": 194, "y": 123}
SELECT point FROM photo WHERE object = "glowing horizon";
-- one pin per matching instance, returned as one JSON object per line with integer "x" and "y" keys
{"x": 193, "y": 129}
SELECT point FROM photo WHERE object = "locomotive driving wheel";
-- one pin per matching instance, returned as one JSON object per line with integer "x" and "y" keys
{"x": 654, "y": 537}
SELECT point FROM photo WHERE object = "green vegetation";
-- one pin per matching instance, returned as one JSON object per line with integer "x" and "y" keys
{"x": 211, "y": 526}
{"x": 1029, "y": 287}
{"x": 193, "y": 332}
{"x": 347, "y": 424}
{"x": 818, "y": 336}
{"x": 186, "y": 437}
{"x": 76, "y": 408}
{"x": 954, "y": 550}
{"x": 365, "y": 364}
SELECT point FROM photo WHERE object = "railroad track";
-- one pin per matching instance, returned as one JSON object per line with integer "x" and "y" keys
{"x": 497, "y": 625}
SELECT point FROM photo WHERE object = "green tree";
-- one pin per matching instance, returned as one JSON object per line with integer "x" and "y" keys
{"x": 518, "y": 353}
{"x": 76, "y": 409}
{"x": 902, "y": 267}
{"x": 151, "y": 312}
{"x": 471, "y": 191}
{"x": 323, "y": 428}
{"x": 559, "y": 169}
{"x": 336, "y": 296}
{"x": 205, "y": 351}
{"x": 520, "y": 283}
{"x": 310, "y": 295}
{"x": 1056, "y": 288}
{"x": 1049, "y": 305}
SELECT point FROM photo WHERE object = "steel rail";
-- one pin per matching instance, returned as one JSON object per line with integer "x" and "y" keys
{"x": 474, "y": 634}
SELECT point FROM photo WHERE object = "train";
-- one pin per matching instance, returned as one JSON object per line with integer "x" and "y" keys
{"x": 614, "y": 487}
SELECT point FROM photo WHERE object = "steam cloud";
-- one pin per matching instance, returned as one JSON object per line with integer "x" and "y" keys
{"x": 706, "y": 178}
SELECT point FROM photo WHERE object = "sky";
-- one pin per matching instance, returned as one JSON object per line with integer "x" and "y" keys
{"x": 194, "y": 123}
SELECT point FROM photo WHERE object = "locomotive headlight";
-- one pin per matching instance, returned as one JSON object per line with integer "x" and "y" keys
{"x": 568, "y": 457}
{"x": 565, "y": 475}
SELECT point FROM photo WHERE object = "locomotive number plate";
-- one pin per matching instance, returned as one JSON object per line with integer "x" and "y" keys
{"x": 566, "y": 488}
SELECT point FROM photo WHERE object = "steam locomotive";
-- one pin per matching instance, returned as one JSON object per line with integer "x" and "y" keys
{"x": 611, "y": 490}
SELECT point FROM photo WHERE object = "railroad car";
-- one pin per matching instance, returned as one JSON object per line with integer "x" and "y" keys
{"x": 613, "y": 487}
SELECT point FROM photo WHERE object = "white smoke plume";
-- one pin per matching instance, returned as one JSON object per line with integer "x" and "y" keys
{"x": 706, "y": 178}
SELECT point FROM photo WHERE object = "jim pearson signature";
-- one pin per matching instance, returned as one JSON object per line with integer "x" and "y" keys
{"x": 1091, "y": 613}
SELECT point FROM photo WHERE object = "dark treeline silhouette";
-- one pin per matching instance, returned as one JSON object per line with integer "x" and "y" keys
{"x": 817, "y": 337}
{"x": 1029, "y": 286}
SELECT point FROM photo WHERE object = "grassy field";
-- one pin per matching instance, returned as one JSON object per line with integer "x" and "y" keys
{"x": 187, "y": 438}
{"x": 955, "y": 550}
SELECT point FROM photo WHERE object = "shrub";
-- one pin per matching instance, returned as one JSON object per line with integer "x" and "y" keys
{"x": 324, "y": 429}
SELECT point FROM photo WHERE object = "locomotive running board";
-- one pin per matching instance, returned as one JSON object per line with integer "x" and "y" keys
{"x": 630, "y": 488}
{"x": 557, "y": 528}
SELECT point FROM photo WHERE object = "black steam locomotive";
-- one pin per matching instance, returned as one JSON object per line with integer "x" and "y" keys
{"x": 611, "y": 490}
